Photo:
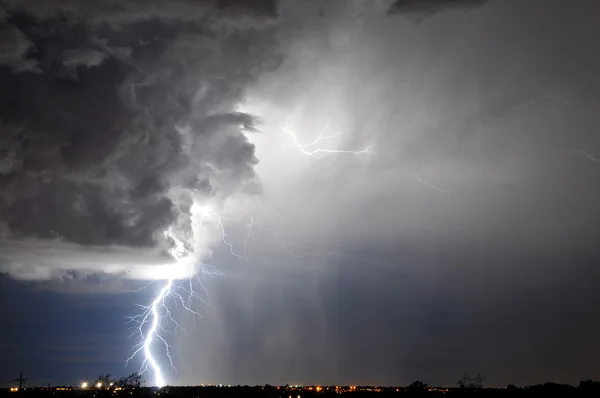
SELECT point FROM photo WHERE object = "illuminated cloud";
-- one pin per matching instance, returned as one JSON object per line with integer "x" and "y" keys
{"x": 129, "y": 120}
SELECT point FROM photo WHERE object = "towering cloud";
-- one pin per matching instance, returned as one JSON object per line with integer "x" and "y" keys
{"x": 114, "y": 123}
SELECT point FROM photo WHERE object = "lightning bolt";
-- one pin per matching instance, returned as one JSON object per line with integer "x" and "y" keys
{"x": 208, "y": 214}
{"x": 590, "y": 155}
{"x": 149, "y": 327}
{"x": 428, "y": 184}
{"x": 322, "y": 152}
{"x": 550, "y": 96}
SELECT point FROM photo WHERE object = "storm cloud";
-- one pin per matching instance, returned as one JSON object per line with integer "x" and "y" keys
{"x": 418, "y": 10}
{"x": 460, "y": 242}
{"x": 116, "y": 122}
{"x": 466, "y": 231}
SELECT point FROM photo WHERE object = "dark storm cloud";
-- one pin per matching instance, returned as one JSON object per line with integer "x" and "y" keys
{"x": 418, "y": 10}
{"x": 83, "y": 57}
{"x": 14, "y": 49}
{"x": 130, "y": 113}
{"x": 118, "y": 12}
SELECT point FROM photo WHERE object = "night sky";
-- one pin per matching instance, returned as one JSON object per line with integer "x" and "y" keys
{"x": 450, "y": 225}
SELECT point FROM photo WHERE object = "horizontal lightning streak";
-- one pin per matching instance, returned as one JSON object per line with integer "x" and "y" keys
{"x": 321, "y": 152}
{"x": 547, "y": 97}
{"x": 590, "y": 155}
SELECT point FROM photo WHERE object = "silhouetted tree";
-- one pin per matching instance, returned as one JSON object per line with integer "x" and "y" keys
{"x": 464, "y": 381}
{"x": 131, "y": 381}
{"x": 478, "y": 381}
{"x": 417, "y": 388}
{"x": 105, "y": 380}
{"x": 467, "y": 382}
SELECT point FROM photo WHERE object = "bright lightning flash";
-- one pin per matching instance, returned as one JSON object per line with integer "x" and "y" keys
{"x": 317, "y": 153}
{"x": 149, "y": 327}
{"x": 153, "y": 312}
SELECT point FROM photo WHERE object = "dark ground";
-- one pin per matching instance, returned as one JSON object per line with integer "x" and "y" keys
{"x": 585, "y": 389}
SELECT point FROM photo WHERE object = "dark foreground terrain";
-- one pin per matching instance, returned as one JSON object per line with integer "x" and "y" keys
{"x": 416, "y": 389}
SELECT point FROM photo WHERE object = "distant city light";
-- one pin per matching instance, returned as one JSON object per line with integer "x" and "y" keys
{"x": 84, "y": 384}
{"x": 99, "y": 384}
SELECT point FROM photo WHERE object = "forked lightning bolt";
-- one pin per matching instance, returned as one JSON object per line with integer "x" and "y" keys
{"x": 318, "y": 153}
{"x": 153, "y": 313}
{"x": 150, "y": 326}
{"x": 207, "y": 214}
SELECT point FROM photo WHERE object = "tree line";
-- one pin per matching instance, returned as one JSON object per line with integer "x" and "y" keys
{"x": 134, "y": 380}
